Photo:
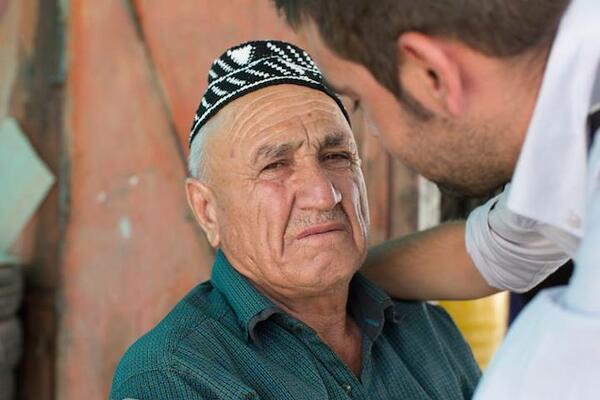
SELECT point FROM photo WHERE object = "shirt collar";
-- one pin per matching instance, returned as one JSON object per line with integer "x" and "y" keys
{"x": 249, "y": 305}
{"x": 368, "y": 304}
{"x": 549, "y": 184}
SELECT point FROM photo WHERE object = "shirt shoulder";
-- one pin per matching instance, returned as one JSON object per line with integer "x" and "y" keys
{"x": 430, "y": 328}
{"x": 427, "y": 319}
{"x": 153, "y": 363}
{"x": 151, "y": 384}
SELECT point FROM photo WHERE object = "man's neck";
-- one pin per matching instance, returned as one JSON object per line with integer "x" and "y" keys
{"x": 327, "y": 315}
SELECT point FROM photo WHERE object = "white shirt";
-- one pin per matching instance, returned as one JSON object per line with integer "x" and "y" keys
{"x": 551, "y": 212}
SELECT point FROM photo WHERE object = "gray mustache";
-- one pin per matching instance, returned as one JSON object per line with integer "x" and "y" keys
{"x": 337, "y": 214}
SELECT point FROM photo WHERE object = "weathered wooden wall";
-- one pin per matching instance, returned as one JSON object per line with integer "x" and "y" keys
{"x": 31, "y": 87}
{"x": 105, "y": 91}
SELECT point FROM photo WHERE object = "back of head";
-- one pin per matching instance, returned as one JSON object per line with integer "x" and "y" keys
{"x": 366, "y": 31}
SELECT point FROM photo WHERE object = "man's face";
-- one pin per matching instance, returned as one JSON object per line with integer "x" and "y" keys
{"x": 290, "y": 197}
{"x": 470, "y": 155}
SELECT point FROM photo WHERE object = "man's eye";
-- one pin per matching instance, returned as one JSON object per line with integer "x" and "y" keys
{"x": 274, "y": 165}
{"x": 336, "y": 156}
{"x": 338, "y": 159}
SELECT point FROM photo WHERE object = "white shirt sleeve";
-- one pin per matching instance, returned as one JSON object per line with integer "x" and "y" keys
{"x": 552, "y": 351}
{"x": 507, "y": 249}
{"x": 583, "y": 292}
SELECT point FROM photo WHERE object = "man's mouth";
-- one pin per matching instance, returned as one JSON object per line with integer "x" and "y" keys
{"x": 321, "y": 229}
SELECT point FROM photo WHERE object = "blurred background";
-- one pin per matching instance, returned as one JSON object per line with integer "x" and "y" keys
{"x": 96, "y": 240}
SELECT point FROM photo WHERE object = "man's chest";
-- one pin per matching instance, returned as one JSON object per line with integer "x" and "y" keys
{"x": 295, "y": 364}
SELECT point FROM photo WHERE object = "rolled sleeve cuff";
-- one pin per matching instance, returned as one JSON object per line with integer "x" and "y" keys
{"x": 507, "y": 250}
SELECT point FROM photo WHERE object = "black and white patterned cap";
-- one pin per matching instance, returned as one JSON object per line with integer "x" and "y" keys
{"x": 254, "y": 65}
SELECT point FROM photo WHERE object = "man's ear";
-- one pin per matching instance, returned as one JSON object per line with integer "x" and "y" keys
{"x": 430, "y": 74}
{"x": 203, "y": 203}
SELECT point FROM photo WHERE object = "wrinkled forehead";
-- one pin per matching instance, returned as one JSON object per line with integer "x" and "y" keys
{"x": 281, "y": 114}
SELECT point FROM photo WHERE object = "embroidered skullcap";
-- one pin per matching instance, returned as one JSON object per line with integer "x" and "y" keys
{"x": 252, "y": 66}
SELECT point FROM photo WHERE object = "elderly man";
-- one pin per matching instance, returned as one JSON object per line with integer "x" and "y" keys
{"x": 278, "y": 189}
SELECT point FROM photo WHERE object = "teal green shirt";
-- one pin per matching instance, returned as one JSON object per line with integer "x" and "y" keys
{"x": 225, "y": 340}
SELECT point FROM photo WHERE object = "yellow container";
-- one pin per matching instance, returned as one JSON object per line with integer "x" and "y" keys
{"x": 483, "y": 323}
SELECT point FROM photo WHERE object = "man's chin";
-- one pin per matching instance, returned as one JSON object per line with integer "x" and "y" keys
{"x": 454, "y": 190}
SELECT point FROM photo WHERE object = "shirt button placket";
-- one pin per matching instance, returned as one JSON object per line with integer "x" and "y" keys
{"x": 347, "y": 388}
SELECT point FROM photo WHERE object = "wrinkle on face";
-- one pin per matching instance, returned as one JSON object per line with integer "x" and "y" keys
{"x": 260, "y": 116}
{"x": 264, "y": 205}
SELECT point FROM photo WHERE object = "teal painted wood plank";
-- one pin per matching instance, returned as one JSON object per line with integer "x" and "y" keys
{"x": 24, "y": 182}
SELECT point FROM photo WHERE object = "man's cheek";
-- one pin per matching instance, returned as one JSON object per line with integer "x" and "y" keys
{"x": 361, "y": 204}
{"x": 271, "y": 214}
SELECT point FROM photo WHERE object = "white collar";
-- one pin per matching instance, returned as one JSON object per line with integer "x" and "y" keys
{"x": 550, "y": 180}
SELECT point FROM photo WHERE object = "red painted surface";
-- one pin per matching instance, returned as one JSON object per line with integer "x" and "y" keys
{"x": 184, "y": 40}
{"x": 131, "y": 249}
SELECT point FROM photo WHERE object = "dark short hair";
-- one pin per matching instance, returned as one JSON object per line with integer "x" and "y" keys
{"x": 366, "y": 31}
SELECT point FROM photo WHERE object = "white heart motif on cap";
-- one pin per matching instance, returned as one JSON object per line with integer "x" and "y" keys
{"x": 241, "y": 55}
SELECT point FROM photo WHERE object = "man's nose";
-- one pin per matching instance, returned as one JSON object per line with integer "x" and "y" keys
{"x": 315, "y": 189}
